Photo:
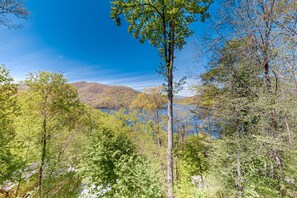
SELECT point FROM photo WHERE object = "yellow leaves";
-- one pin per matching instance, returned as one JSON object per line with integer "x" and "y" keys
{"x": 173, "y": 11}
{"x": 149, "y": 101}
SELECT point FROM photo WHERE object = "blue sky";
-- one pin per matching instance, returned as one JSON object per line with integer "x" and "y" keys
{"x": 78, "y": 39}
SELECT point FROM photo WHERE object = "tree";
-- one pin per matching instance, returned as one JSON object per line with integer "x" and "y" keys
{"x": 12, "y": 7}
{"x": 111, "y": 164}
{"x": 8, "y": 111}
{"x": 286, "y": 17}
{"x": 53, "y": 102}
{"x": 252, "y": 122}
{"x": 165, "y": 24}
{"x": 152, "y": 99}
{"x": 149, "y": 105}
{"x": 253, "y": 71}
{"x": 193, "y": 165}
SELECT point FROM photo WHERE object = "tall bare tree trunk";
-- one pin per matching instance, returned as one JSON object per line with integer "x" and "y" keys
{"x": 170, "y": 136}
{"x": 170, "y": 106}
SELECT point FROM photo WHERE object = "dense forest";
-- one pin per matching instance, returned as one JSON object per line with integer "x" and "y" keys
{"x": 56, "y": 142}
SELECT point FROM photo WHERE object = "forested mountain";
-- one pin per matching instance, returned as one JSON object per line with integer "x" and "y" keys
{"x": 192, "y": 100}
{"x": 100, "y": 96}
{"x": 105, "y": 96}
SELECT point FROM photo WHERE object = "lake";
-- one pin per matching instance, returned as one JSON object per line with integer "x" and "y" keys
{"x": 183, "y": 117}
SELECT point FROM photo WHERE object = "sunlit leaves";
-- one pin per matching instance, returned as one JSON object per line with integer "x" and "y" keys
{"x": 150, "y": 20}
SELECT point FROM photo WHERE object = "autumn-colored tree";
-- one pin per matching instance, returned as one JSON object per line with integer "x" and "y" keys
{"x": 150, "y": 103}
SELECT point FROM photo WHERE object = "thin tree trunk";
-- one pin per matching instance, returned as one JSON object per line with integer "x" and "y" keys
{"x": 19, "y": 184}
{"x": 170, "y": 138}
{"x": 267, "y": 77}
{"x": 271, "y": 170}
{"x": 170, "y": 108}
{"x": 265, "y": 168}
{"x": 158, "y": 130}
{"x": 279, "y": 173}
{"x": 289, "y": 131}
{"x": 174, "y": 168}
{"x": 21, "y": 174}
{"x": 238, "y": 167}
{"x": 44, "y": 142}
{"x": 201, "y": 175}
{"x": 238, "y": 170}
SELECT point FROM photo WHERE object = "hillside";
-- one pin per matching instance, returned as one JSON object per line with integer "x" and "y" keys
{"x": 187, "y": 100}
{"x": 105, "y": 96}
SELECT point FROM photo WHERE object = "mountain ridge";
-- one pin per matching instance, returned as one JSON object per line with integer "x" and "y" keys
{"x": 100, "y": 95}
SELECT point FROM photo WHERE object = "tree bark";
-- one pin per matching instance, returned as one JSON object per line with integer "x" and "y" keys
{"x": 170, "y": 136}
{"x": 170, "y": 107}
{"x": 238, "y": 170}
{"x": 21, "y": 174}
{"x": 238, "y": 167}
{"x": 44, "y": 143}
{"x": 289, "y": 131}
{"x": 267, "y": 77}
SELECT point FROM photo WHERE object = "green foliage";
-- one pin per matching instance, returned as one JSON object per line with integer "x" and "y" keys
{"x": 101, "y": 157}
{"x": 252, "y": 157}
{"x": 46, "y": 130}
{"x": 184, "y": 187}
{"x": 165, "y": 25}
{"x": 195, "y": 152}
{"x": 51, "y": 145}
{"x": 137, "y": 177}
{"x": 112, "y": 165}
{"x": 9, "y": 162}
{"x": 146, "y": 18}
{"x": 52, "y": 93}
{"x": 145, "y": 130}
{"x": 193, "y": 162}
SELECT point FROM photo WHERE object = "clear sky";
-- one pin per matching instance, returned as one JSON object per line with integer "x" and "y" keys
{"x": 78, "y": 39}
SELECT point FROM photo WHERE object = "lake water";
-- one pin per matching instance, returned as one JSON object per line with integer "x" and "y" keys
{"x": 183, "y": 117}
